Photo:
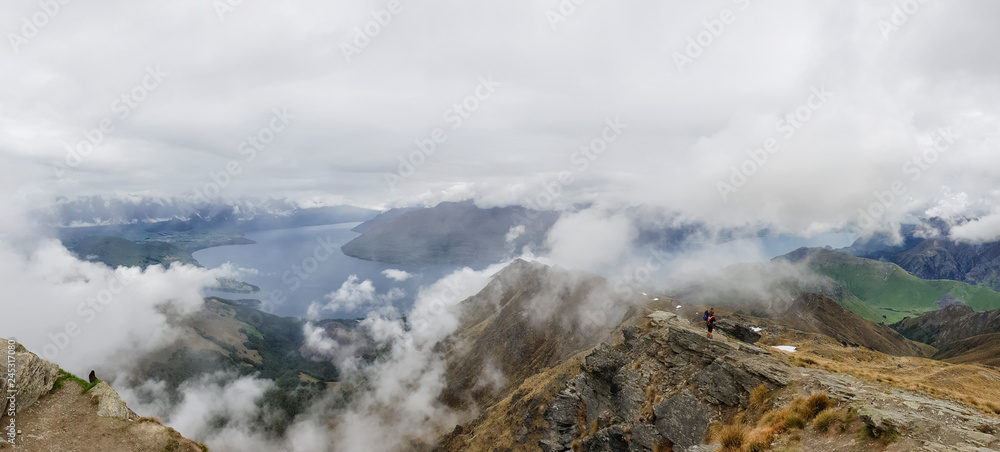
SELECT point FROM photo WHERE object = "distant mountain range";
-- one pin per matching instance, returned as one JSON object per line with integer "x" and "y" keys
{"x": 879, "y": 291}
{"x": 461, "y": 233}
{"x": 147, "y": 221}
{"x": 457, "y": 233}
{"x": 927, "y": 252}
{"x": 249, "y": 213}
{"x": 960, "y": 334}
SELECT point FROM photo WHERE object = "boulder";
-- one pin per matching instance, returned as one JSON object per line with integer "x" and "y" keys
{"x": 109, "y": 403}
{"x": 726, "y": 383}
{"x": 881, "y": 423}
{"x": 644, "y": 437}
{"x": 34, "y": 376}
{"x": 737, "y": 330}
{"x": 682, "y": 419}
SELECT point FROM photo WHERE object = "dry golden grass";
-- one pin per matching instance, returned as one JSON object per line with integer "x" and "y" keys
{"x": 732, "y": 436}
{"x": 826, "y": 419}
{"x": 493, "y": 429}
{"x": 760, "y": 399}
{"x": 974, "y": 385}
{"x": 796, "y": 414}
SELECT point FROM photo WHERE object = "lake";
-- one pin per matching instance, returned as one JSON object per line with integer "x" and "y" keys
{"x": 294, "y": 267}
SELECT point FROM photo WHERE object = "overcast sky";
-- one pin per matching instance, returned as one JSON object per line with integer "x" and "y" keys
{"x": 692, "y": 87}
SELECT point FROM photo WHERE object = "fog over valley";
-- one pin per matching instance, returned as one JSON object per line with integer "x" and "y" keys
{"x": 390, "y": 225}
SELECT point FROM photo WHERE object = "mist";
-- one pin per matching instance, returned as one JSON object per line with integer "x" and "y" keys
{"x": 664, "y": 136}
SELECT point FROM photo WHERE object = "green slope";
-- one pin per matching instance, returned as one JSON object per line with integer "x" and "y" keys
{"x": 884, "y": 292}
{"x": 120, "y": 252}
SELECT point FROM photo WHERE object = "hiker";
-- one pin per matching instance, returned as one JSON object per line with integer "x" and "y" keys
{"x": 709, "y": 321}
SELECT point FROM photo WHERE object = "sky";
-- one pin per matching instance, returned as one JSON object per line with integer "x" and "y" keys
{"x": 804, "y": 117}
{"x": 808, "y": 116}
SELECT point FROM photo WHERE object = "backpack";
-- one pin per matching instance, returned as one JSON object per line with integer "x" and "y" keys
{"x": 705, "y": 317}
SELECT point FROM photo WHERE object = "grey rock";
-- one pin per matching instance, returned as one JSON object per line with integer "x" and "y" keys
{"x": 34, "y": 376}
{"x": 726, "y": 383}
{"x": 604, "y": 360}
{"x": 644, "y": 437}
{"x": 561, "y": 416}
{"x": 611, "y": 439}
{"x": 682, "y": 419}
{"x": 737, "y": 330}
{"x": 109, "y": 403}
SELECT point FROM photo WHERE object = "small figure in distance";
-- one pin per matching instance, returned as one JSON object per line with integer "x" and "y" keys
{"x": 709, "y": 321}
{"x": 93, "y": 376}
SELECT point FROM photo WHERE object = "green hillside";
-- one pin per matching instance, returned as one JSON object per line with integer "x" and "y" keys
{"x": 884, "y": 292}
{"x": 120, "y": 252}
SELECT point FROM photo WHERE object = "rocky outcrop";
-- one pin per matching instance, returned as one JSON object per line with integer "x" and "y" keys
{"x": 33, "y": 376}
{"x": 737, "y": 331}
{"x": 656, "y": 388}
{"x": 109, "y": 403}
{"x": 923, "y": 422}
{"x": 657, "y": 383}
{"x": 682, "y": 419}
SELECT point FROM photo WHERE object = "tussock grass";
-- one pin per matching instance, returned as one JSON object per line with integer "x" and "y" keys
{"x": 825, "y": 419}
{"x": 744, "y": 434}
{"x": 760, "y": 399}
{"x": 732, "y": 436}
{"x": 972, "y": 385}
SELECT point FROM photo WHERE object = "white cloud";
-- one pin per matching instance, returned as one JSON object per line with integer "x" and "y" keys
{"x": 985, "y": 229}
{"x": 412, "y": 377}
{"x": 890, "y": 94}
{"x": 397, "y": 275}
{"x": 591, "y": 239}
{"x": 354, "y": 295}
{"x": 84, "y": 315}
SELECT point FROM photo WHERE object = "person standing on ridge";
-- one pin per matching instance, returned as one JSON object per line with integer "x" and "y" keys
{"x": 710, "y": 321}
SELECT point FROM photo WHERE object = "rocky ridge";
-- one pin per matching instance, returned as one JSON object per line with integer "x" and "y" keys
{"x": 657, "y": 383}
{"x": 49, "y": 417}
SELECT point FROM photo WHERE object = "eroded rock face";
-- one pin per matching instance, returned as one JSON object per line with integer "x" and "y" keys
{"x": 109, "y": 403}
{"x": 656, "y": 388}
{"x": 658, "y": 383}
{"x": 33, "y": 376}
{"x": 737, "y": 330}
{"x": 682, "y": 419}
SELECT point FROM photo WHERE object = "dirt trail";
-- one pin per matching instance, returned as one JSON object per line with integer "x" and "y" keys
{"x": 66, "y": 421}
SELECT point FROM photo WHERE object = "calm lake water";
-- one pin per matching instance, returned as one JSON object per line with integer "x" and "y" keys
{"x": 294, "y": 267}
